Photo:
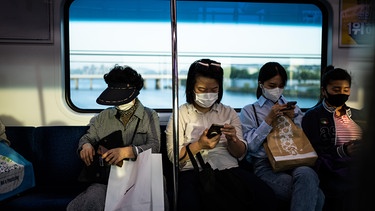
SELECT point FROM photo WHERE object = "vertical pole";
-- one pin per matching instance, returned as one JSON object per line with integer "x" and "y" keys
{"x": 175, "y": 102}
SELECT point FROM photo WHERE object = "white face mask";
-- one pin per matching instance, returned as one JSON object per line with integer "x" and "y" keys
{"x": 206, "y": 100}
{"x": 127, "y": 106}
{"x": 272, "y": 94}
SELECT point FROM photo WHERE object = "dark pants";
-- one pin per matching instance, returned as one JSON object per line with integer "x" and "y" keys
{"x": 189, "y": 195}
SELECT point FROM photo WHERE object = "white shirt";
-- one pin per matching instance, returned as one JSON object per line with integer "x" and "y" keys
{"x": 192, "y": 123}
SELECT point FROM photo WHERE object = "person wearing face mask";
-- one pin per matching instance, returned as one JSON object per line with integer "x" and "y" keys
{"x": 203, "y": 107}
{"x": 297, "y": 189}
{"x": 335, "y": 131}
{"x": 139, "y": 126}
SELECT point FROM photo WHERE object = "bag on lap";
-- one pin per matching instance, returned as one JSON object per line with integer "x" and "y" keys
{"x": 288, "y": 147}
{"x": 220, "y": 189}
{"x": 98, "y": 171}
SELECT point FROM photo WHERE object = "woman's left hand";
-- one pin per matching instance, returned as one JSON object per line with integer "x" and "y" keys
{"x": 230, "y": 133}
{"x": 289, "y": 113}
{"x": 353, "y": 147}
{"x": 235, "y": 146}
{"x": 115, "y": 155}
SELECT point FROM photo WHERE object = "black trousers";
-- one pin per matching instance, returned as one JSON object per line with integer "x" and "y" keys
{"x": 189, "y": 197}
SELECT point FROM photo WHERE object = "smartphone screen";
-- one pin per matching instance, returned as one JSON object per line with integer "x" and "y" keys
{"x": 214, "y": 130}
{"x": 290, "y": 103}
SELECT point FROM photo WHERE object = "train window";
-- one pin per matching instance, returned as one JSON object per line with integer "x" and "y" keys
{"x": 242, "y": 35}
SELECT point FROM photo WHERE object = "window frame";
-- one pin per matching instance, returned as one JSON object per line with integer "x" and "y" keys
{"x": 326, "y": 44}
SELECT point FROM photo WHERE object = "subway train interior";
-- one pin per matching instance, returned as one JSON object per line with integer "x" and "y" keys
{"x": 54, "y": 53}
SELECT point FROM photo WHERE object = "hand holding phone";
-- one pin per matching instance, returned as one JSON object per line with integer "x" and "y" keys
{"x": 289, "y": 105}
{"x": 214, "y": 130}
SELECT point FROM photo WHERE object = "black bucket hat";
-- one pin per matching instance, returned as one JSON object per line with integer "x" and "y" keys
{"x": 124, "y": 85}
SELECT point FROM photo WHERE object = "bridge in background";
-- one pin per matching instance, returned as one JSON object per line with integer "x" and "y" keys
{"x": 146, "y": 77}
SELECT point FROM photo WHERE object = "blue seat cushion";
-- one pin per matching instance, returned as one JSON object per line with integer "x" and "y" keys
{"x": 57, "y": 162}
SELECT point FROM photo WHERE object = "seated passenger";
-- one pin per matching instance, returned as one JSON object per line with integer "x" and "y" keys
{"x": 334, "y": 130}
{"x": 3, "y": 136}
{"x": 299, "y": 187}
{"x": 16, "y": 173}
{"x": 127, "y": 115}
{"x": 204, "y": 91}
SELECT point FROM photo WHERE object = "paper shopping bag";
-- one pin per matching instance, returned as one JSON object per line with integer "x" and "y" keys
{"x": 137, "y": 185}
{"x": 287, "y": 146}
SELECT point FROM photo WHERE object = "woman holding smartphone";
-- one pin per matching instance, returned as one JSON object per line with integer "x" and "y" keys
{"x": 203, "y": 107}
{"x": 298, "y": 187}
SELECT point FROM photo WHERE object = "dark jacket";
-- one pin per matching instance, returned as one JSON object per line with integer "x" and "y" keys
{"x": 319, "y": 126}
{"x": 333, "y": 165}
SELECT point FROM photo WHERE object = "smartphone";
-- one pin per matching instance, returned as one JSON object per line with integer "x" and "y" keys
{"x": 289, "y": 105}
{"x": 356, "y": 142}
{"x": 214, "y": 130}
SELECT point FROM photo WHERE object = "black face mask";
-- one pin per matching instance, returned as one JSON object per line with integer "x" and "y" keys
{"x": 337, "y": 100}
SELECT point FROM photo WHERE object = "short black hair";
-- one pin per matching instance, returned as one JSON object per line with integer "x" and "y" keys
{"x": 206, "y": 68}
{"x": 268, "y": 71}
{"x": 124, "y": 75}
{"x": 331, "y": 73}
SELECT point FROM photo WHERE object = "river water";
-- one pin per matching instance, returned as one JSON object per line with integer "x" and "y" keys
{"x": 85, "y": 98}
